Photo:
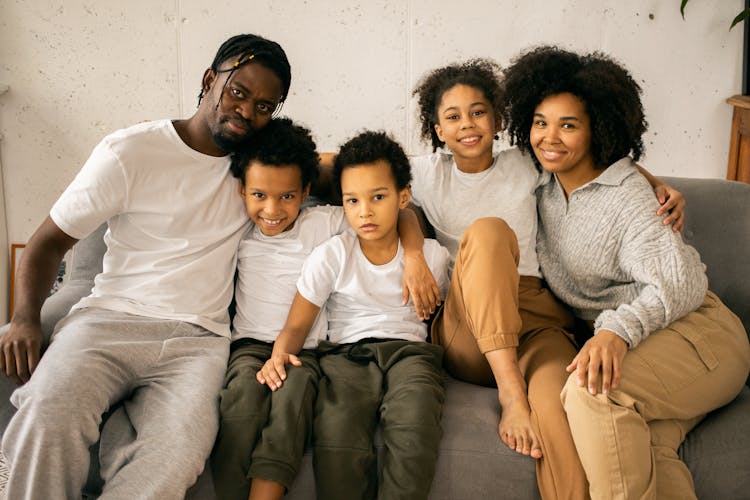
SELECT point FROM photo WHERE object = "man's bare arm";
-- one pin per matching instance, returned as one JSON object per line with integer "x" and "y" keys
{"x": 20, "y": 348}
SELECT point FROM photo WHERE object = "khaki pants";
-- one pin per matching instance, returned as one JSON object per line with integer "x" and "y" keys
{"x": 628, "y": 440}
{"x": 490, "y": 307}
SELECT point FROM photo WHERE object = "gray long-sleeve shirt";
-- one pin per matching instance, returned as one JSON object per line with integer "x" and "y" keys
{"x": 606, "y": 253}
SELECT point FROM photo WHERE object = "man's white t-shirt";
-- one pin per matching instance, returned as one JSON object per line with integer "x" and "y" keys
{"x": 364, "y": 300}
{"x": 452, "y": 200}
{"x": 268, "y": 269}
{"x": 174, "y": 218}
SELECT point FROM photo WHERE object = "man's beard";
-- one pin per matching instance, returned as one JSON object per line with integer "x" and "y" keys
{"x": 228, "y": 144}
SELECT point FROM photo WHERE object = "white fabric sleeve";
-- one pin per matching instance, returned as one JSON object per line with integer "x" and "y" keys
{"x": 97, "y": 193}
{"x": 320, "y": 271}
{"x": 419, "y": 166}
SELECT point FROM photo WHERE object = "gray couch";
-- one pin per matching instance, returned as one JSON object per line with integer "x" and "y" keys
{"x": 473, "y": 463}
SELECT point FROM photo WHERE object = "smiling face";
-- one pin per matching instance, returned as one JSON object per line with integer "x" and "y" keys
{"x": 246, "y": 100}
{"x": 466, "y": 124}
{"x": 372, "y": 201}
{"x": 561, "y": 135}
{"x": 273, "y": 195}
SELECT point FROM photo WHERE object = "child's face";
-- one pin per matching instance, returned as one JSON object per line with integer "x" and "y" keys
{"x": 561, "y": 134}
{"x": 466, "y": 122}
{"x": 273, "y": 195}
{"x": 372, "y": 201}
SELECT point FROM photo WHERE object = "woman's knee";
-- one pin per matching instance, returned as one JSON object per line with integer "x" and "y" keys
{"x": 574, "y": 398}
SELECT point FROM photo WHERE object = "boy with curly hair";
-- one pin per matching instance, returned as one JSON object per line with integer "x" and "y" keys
{"x": 375, "y": 363}
{"x": 263, "y": 433}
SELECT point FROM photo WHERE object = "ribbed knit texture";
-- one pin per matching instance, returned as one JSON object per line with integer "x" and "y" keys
{"x": 607, "y": 254}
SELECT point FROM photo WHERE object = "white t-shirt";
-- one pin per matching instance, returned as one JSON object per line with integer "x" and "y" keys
{"x": 268, "y": 269}
{"x": 452, "y": 200}
{"x": 364, "y": 300}
{"x": 175, "y": 219}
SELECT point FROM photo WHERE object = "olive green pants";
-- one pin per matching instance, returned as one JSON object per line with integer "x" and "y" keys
{"x": 262, "y": 433}
{"x": 394, "y": 382}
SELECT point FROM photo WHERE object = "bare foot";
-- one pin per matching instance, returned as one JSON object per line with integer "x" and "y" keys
{"x": 515, "y": 422}
{"x": 516, "y": 431}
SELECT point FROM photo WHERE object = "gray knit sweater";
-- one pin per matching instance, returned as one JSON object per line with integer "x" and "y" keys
{"x": 607, "y": 254}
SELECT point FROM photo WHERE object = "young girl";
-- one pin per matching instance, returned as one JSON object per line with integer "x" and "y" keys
{"x": 499, "y": 324}
{"x": 665, "y": 351}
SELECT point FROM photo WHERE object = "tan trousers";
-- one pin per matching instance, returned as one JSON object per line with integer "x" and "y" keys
{"x": 628, "y": 440}
{"x": 489, "y": 307}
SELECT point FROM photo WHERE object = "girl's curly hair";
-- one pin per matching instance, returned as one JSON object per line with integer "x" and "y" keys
{"x": 482, "y": 74}
{"x": 608, "y": 91}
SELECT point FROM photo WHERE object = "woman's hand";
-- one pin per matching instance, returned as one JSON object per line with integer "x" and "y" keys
{"x": 419, "y": 284}
{"x": 672, "y": 205}
{"x": 273, "y": 372}
{"x": 601, "y": 355}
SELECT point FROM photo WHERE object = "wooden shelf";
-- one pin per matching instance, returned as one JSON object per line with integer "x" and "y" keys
{"x": 738, "y": 168}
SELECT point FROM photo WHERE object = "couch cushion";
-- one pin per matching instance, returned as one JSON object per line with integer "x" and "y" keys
{"x": 718, "y": 226}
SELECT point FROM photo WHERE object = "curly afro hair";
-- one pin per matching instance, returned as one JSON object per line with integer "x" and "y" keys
{"x": 482, "y": 74}
{"x": 369, "y": 147}
{"x": 280, "y": 143}
{"x": 608, "y": 91}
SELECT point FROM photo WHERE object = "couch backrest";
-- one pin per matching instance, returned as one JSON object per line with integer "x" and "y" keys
{"x": 718, "y": 226}
{"x": 86, "y": 261}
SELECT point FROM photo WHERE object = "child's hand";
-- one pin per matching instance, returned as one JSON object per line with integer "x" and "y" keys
{"x": 273, "y": 373}
{"x": 672, "y": 205}
{"x": 419, "y": 283}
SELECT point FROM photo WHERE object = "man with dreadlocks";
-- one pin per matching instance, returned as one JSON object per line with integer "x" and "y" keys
{"x": 154, "y": 333}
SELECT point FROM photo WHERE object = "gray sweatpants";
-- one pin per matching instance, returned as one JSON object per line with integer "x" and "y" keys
{"x": 167, "y": 372}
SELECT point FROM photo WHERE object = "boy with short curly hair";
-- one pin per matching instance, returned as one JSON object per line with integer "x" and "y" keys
{"x": 376, "y": 364}
{"x": 264, "y": 432}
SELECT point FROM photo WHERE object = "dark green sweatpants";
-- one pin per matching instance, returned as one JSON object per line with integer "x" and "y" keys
{"x": 396, "y": 383}
{"x": 262, "y": 433}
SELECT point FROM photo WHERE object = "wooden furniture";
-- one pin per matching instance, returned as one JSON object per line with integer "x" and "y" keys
{"x": 739, "y": 145}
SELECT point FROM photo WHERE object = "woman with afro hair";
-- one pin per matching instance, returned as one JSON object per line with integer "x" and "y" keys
{"x": 663, "y": 350}
{"x": 499, "y": 324}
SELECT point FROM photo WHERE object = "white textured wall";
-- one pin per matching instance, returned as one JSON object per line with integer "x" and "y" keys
{"x": 78, "y": 69}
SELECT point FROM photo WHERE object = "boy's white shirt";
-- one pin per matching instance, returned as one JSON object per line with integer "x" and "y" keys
{"x": 452, "y": 200}
{"x": 268, "y": 269}
{"x": 363, "y": 300}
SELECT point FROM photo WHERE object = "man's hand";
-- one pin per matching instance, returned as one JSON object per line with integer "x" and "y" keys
{"x": 419, "y": 284}
{"x": 601, "y": 355}
{"x": 273, "y": 372}
{"x": 20, "y": 350}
